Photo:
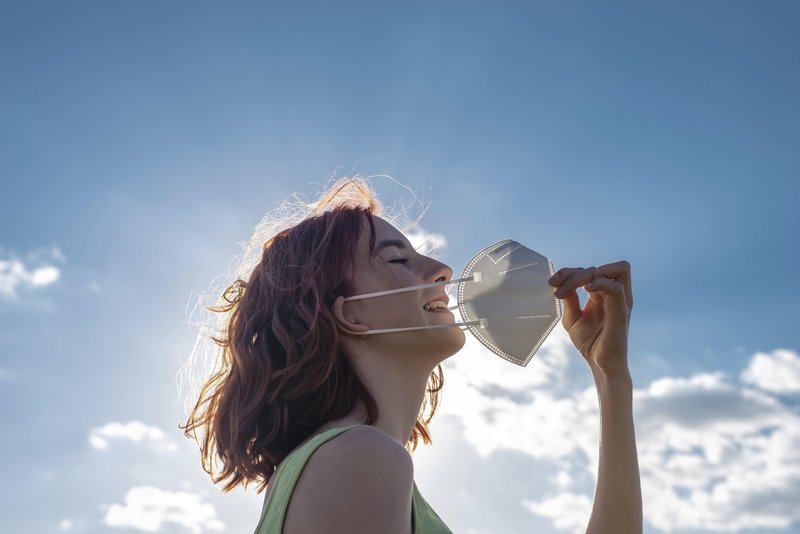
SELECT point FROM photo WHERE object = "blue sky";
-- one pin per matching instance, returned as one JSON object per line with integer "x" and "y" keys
{"x": 141, "y": 143}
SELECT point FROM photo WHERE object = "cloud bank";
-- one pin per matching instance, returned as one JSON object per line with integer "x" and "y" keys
{"x": 135, "y": 431}
{"x": 716, "y": 453}
{"x": 147, "y": 508}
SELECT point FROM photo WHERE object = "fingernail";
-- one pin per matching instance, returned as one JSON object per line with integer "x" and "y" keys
{"x": 553, "y": 278}
{"x": 558, "y": 292}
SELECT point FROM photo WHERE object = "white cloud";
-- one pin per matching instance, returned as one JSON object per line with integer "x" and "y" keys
{"x": 426, "y": 243}
{"x": 44, "y": 276}
{"x": 776, "y": 372}
{"x": 569, "y": 511}
{"x": 14, "y": 274}
{"x": 506, "y": 406}
{"x": 57, "y": 254}
{"x": 562, "y": 480}
{"x": 146, "y": 508}
{"x": 715, "y": 454}
{"x": 65, "y": 524}
{"x": 133, "y": 431}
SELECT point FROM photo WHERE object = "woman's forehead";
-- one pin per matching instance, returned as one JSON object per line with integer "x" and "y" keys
{"x": 384, "y": 230}
{"x": 385, "y": 234}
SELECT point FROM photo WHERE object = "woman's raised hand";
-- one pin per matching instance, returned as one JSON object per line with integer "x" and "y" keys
{"x": 600, "y": 330}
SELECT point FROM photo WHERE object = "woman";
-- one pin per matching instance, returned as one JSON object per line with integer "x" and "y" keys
{"x": 325, "y": 418}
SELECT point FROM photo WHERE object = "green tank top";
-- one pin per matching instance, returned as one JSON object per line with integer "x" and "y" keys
{"x": 423, "y": 519}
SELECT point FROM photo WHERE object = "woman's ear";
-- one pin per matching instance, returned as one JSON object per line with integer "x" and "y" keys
{"x": 343, "y": 322}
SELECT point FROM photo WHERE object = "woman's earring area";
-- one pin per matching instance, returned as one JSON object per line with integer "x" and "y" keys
{"x": 343, "y": 322}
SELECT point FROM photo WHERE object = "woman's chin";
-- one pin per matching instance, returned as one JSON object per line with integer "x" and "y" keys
{"x": 456, "y": 341}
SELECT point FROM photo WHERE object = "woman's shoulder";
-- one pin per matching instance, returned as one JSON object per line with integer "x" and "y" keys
{"x": 360, "y": 450}
{"x": 361, "y": 437}
{"x": 360, "y": 471}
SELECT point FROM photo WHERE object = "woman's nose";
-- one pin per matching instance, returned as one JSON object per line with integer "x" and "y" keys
{"x": 441, "y": 271}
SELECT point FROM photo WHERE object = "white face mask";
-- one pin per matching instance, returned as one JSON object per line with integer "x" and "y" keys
{"x": 504, "y": 300}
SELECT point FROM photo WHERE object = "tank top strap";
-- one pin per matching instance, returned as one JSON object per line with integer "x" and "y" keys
{"x": 285, "y": 479}
{"x": 424, "y": 519}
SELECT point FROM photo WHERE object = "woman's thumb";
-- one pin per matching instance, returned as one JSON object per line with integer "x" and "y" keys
{"x": 572, "y": 309}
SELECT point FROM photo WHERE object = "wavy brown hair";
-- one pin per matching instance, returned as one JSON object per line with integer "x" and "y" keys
{"x": 283, "y": 372}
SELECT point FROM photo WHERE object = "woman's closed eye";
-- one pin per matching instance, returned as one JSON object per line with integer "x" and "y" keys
{"x": 399, "y": 260}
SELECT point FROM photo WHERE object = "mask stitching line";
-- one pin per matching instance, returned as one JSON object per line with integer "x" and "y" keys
{"x": 519, "y": 267}
{"x": 504, "y": 255}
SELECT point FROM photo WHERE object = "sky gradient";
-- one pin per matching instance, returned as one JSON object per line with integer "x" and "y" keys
{"x": 140, "y": 143}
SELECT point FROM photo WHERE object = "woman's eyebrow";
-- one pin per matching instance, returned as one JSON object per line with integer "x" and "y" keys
{"x": 390, "y": 243}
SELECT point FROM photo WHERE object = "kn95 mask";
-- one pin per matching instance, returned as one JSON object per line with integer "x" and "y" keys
{"x": 504, "y": 300}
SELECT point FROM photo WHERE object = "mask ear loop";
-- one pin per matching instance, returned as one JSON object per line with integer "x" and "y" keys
{"x": 412, "y": 288}
{"x": 475, "y": 277}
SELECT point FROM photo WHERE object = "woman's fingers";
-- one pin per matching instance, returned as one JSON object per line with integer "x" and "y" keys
{"x": 621, "y": 272}
{"x": 615, "y": 290}
{"x": 568, "y": 279}
{"x": 571, "y": 309}
{"x": 599, "y": 330}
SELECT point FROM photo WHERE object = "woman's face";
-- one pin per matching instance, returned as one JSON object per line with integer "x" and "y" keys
{"x": 396, "y": 264}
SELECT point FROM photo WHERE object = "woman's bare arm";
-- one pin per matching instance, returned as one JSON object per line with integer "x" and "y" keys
{"x": 600, "y": 333}
{"x": 617, "y": 506}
